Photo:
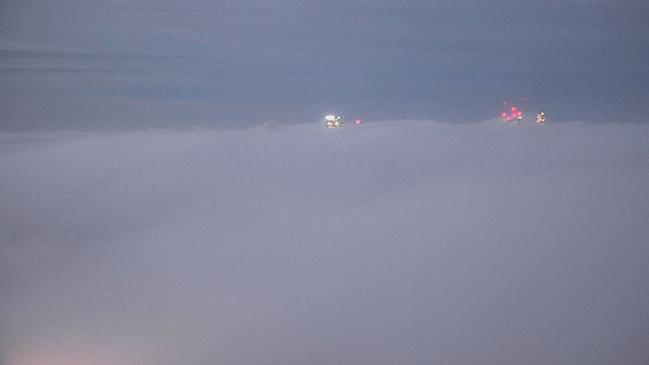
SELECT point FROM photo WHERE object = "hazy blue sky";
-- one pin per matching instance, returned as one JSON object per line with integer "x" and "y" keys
{"x": 114, "y": 64}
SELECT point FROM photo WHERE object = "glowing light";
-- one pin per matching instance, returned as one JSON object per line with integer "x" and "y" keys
{"x": 514, "y": 114}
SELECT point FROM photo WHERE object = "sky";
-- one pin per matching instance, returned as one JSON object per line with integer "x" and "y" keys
{"x": 98, "y": 65}
{"x": 389, "y": 243}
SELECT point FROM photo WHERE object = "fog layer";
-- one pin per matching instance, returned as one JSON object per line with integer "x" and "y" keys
{"x": 389, "y": 243}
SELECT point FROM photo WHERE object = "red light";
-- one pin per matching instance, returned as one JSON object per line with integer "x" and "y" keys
{"x": 512, "y": 114}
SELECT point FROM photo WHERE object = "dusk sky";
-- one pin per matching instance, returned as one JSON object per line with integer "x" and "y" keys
{"x": 73, "y": 64}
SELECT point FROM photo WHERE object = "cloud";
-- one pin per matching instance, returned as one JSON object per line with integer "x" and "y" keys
{"x": 395, "y": 242}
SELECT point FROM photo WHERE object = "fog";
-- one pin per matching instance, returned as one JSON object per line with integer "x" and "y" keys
{"x": 398, "y": 242}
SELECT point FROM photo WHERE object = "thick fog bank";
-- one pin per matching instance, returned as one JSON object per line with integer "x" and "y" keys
{"x": 388, "y": 243}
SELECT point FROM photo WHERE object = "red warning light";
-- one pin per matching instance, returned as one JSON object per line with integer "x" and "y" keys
{"x": 515, "y": 114}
